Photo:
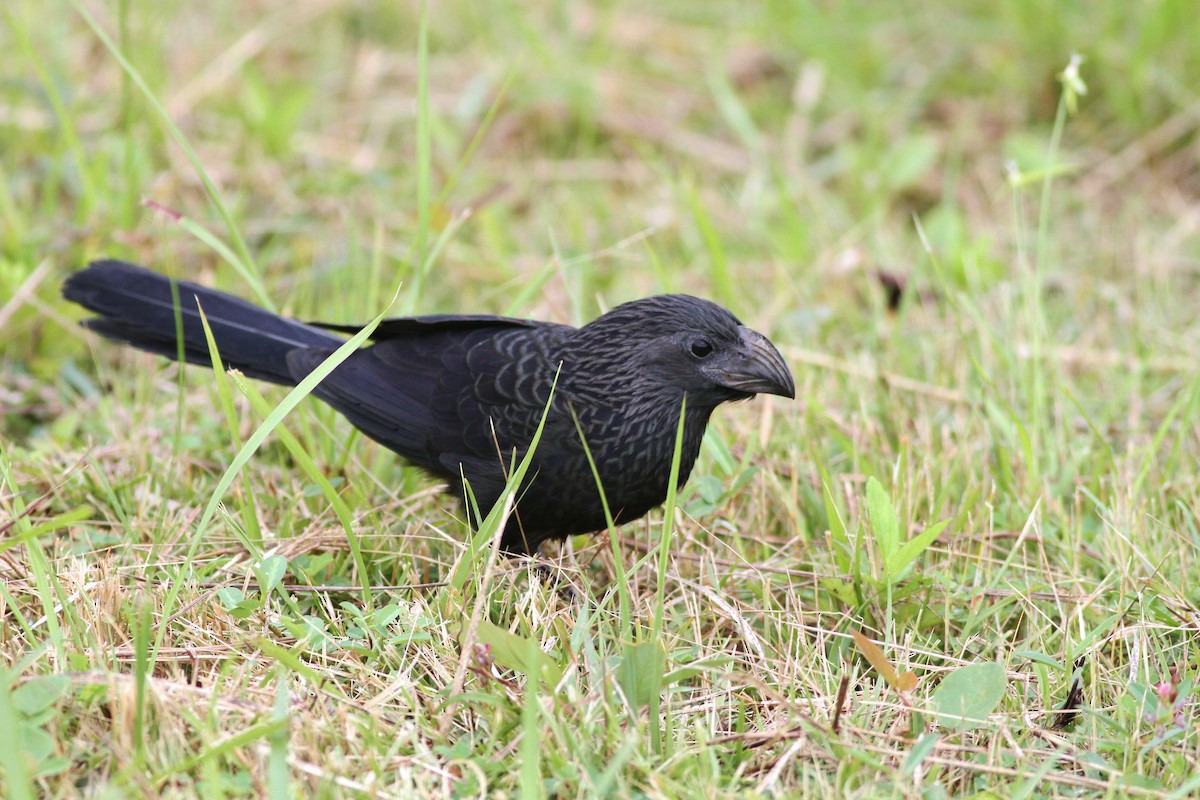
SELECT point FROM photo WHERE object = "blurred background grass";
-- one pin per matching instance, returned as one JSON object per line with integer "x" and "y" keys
{"x": 799, "y": 133}
{"x": 1036, "y": 381}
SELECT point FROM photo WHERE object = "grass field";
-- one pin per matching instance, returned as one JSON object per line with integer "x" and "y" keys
{"x": 980, "y": 257}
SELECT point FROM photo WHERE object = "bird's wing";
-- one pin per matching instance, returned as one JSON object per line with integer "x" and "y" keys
{"x": 451, "y": 394}
{"x": 402, "y": 327}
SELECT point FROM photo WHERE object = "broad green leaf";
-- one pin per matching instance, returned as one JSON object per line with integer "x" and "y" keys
{"x": 839, "y": 541}
{"x": 39, "y": 694}
{"x": 37, "y": 743}
{"x": 236, "y": 603}
{"x": 899, "y": 561}
{"x": 230, "y": 597}
{"x": 271, "y": 572}
{"x": 966, "y": 696}
{"x": 641, "y": 672}
{"x": 842, "y": 590}
{"x": 883, "y": 519}
{"x": 513, "y": 652}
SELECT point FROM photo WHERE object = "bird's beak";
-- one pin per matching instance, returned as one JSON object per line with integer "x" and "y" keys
{"x": 757, "y": 368}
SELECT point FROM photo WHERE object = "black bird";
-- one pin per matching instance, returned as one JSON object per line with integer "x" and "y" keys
{"x": 462, "y": 395}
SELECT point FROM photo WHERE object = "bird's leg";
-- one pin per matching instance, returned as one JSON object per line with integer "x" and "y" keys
{"x": 553, "y": 578}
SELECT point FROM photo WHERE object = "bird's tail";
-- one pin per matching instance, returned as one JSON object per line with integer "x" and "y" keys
{"x": 138, "y": 307}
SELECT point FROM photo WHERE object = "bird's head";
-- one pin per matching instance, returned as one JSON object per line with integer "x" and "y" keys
{"x": 691, "y": 345}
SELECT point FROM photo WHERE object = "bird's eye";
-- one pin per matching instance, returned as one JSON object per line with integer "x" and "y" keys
{"x": 701, "y": 348}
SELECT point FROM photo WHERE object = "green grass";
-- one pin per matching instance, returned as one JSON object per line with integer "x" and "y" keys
{"x": 331, "y": 629}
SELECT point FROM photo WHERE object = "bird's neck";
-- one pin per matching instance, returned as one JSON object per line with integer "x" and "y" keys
{"x": 649, "y": 448}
